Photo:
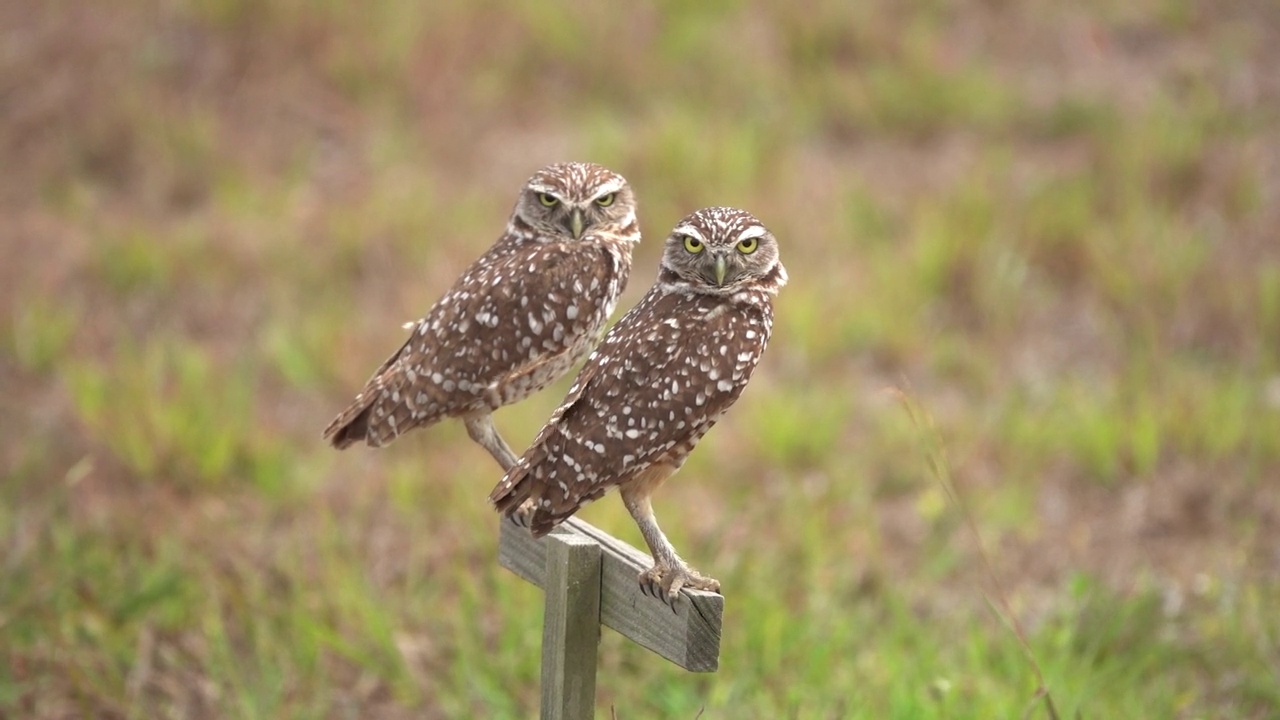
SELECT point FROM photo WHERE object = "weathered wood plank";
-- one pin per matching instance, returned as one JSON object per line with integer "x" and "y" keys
{"x": 570, "y": 628}
{"x": 689, "y": 636}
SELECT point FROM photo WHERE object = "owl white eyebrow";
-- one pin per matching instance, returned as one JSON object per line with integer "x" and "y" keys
{"x": 751, "y": 232}
{"x": 689, "y": 230}
{"x": 608, "y": 189}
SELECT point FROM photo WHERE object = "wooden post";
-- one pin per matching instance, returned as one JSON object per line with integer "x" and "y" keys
{"x": 590, "y": 579}
{"x": 570, "y": 628}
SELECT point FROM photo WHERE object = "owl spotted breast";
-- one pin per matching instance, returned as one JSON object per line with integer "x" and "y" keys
{"x": 657, "y": 383}
{"x": 518, "y": 319}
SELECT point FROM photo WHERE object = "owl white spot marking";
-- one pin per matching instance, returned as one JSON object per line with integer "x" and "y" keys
{"x": 750, "y": 334}
{"x": 633, "y": 434}
{"x": 724, "y": 386}
{"x": 448, "y": 385}
{"x": 700, "y": 399}
{"x": 713, "y": 374}
{"x": 571, "y": 312}
{"x": 745, "y": 356}
{"x": 437, "y": 378}
{"x": 535, "y": 325}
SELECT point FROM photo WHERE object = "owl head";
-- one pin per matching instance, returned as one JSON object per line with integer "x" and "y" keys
{"x": 568, "y": 201}
{"x": 720, "y": 251}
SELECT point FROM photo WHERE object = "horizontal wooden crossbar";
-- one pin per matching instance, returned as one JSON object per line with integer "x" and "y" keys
{"x": 689, "y": 636}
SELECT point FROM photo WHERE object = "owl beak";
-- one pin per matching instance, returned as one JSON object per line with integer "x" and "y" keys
{"x": 575, "y": 223}
{"x": 721, "y": 268}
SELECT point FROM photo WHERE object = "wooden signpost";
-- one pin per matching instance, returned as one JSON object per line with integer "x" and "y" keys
{"x": 589, "y": 579}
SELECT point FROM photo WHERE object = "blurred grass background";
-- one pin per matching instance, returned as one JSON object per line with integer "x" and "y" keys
{"x": 1054, "y": 224}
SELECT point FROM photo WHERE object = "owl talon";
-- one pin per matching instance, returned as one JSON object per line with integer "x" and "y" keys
{"x": 523, "y": 516}
{"x": 653, "y": 589}
{"x": 665, "y": 582}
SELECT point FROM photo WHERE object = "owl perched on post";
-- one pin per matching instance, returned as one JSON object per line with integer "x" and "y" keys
{"x": 656, "y": 384}
{"x": 518, "y": 319}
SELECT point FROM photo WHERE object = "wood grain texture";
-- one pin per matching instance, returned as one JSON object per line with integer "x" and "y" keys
{"x": 570, "y": 628}
{"x": 688, "y": 636}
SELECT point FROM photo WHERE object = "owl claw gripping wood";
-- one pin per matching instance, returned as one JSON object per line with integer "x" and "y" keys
{"x": 517, "y": 320}
{"x": 658, "y": 382}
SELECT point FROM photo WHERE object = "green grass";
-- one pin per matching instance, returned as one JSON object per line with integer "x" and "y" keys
{"x": 1052, "y": 227}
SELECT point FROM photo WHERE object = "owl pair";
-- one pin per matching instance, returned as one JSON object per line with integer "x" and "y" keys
{"x": 534, "y": 305}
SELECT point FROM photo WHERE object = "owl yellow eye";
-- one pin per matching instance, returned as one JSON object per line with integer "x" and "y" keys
{"x": 748, "y": 246}
{"x": 692, "y": 244}
{"x": 605, "y": 200}
{"x": 548, "y": 200}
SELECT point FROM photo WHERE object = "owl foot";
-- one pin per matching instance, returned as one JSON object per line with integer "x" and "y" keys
{"x": 665, "y": 582}
{"x": 523, "y": 516}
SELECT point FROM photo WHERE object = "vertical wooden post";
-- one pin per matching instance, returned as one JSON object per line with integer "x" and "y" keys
{"x": 570, "y": 627}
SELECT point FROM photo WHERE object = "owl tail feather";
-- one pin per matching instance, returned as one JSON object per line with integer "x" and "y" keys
{"x": 520, "y": 485}
{"x": 351, "y": 426}
{"x": 512, "y": 490}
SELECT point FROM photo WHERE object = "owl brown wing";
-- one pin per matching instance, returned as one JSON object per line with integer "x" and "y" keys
{"x": 514, "y": 308}
{"x": 507, "y": 313}
{"x": 657, "y": 383}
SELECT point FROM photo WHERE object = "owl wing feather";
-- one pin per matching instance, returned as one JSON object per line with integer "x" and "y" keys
{"x": 507, "y": 313}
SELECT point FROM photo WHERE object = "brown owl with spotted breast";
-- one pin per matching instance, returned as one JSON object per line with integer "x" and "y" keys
{"x": 656, "y": 384}
{"x": 524, "y": 313}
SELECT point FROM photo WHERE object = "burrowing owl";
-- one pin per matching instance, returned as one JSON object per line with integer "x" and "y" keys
{"x": 524, "y": 313}
{"x": 658, "y": 382}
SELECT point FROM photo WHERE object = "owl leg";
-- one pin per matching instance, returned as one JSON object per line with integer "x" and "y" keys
{"x": 669, "y": 573}
{"x": 481, "y": 429}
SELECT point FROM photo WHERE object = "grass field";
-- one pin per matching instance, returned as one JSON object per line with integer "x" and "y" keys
{"x": 1050, "y": 230}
